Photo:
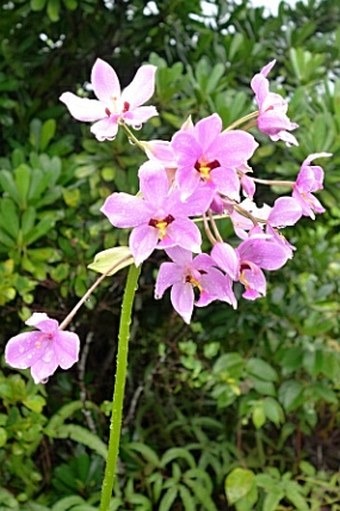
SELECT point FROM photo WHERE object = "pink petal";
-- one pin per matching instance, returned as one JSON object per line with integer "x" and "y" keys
{"x": 41, "y": 321}
{"x": 182, "y": 299}
{"x": 162, "y": 151}
{"x": 45, "y": 366}
{"x": 180, "y": 256}
{"x": 124, "y": 210}
{"x": 206, "y": 130}
{"x": 106, "y": 129}
{"x": 139, "y": 115}
{"x": 248, "y": 186}
{"x": 286, "y": 211}
{"x": 24, "y": 349}
{"x": 227, "y": 182}
{"x": 141, "y": 88}
{"x": 186, "y": 148}
{"x": 142, "y": 242}
{"x": 314, "y": 156}
{"x": 187, "y": 179}
{"x": 105, "y": 82}
{"x": 66, "y": 347}
{"x": 154, "y": 183}
{"x": 263, "y": 252}
{"x": 254, "y": 282}
{"x": 168, "y": 275}
{"x": 233, "y": 148}
{"x": 83, "y": 109}
{"x": 260, "y": 85}
{"x": 184, "y": 233}
{"x": 226, "y": 258}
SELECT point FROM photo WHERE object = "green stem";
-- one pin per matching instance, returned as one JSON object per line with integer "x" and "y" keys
{"x": 244, "y": 119}
{"x": 132, "y": 137}
{"x": 119, "y": 387}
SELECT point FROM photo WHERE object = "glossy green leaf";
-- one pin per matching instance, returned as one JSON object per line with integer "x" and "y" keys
{"x": 112, "y": 260}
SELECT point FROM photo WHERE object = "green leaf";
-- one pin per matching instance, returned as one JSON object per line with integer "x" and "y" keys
{"x": 67, "y": 503}
{"x": 53, "y": 8}
{"x": 187, "y": 499}
{"x": 272, "y": 500}
{"x": 3, "y": 437}
{"x": 290, "y": 394}
{"x": 146, "y": 451}
{"x": 238, "y": 483}
{"x": 115, "y": 258}
{"x": 9, "y": 219}
{"x": 8, "y": 184}
{"x": 175, "y": 453}
{"x": 37, "y": 5}
{"x": 273, "y": 410}
{"x": 168, "y": 499}
{"x": 261, "y": 369}
{"x": 258, "y": 415}
{"x": 47, "y": 133}
{"x": 293, "y": 493}
{"x": 22, "y": 180}
{"x": 83, "y": 436}
{"x": 35, "y": 403}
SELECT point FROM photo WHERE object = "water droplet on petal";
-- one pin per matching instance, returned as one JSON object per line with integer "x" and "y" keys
{"x": 21, "y": 349}
{"x": 44, "y": 380}
{"x": 137, "y": 126}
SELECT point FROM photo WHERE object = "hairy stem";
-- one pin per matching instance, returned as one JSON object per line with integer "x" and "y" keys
{"x": 119, "y": 388}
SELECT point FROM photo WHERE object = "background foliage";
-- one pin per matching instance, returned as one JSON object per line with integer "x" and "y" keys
{"x": 239, "y": 405}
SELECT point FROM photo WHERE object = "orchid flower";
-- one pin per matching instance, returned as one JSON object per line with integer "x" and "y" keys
{"x": 246, "y": 262}
{"x": 112, "y": 105}
{"x": 206, "y": 155}
{"x": 272, "y": 119}
{"x": 185, "y": 275}
{"x": 42, "y": 350}
{"x": 309, "y": 180}
{"x": 159, "y": 218}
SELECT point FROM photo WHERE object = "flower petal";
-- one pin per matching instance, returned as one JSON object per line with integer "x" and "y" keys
{"x": 66, "y": 347}
{"x": 206, "y": 130}
{"x": 168, "y": 275}
{"x": 106, "y": 129}
{"x": 41, "y": 321}
{"x": 139, "y": 115}
{"x": 154, "y": 183}
{"x": 45, "y": 366}
{"x": 182, "y": 299}
{"x": 83, "y": 109}
{"x": 142, "y": 242}
{"x": 286, "y": 211}
{"x": 125, "y": 210}
{"x": 105, "y": 82}
{"x": 141, "y": 88}
{"x": 226, "y": 258}
{"x": 24, "y": 349}
{"x": 263, "y": 252}
{"x": 233, "y": 148}
{"x": 184, "y": 233}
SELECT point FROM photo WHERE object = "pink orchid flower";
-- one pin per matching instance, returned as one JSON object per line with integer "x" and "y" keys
{"x": 207, "y": 155}
{"x": 185, "y": 274}
{"x": 159, "y": 218}
{"x": 246, "y": 262}
{"x": 113, "y": 105}
{"x": 309, "y": 180}
{"x": 42, "y": 350}
{"x": 272, "y": 119}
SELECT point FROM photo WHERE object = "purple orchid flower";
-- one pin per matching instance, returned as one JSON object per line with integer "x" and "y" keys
{"x": 246, "y": 262}
{"x": 43, "y": 350}
{"x": 272, "y": 119}
{"x": 185, "y": 274}
{"x": 309, "y": 180}
{"x": 205, "y": 155}
{"x": 159, "y": 218}
{"x": 113, "y": 105}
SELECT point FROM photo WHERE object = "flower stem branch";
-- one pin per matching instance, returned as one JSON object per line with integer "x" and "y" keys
{"x": 131, "y": 136}
{"x": 272, "y": 182}
{"x": 119, "y": 387}
{"x": 88, "y": 293}
{"x": 242, "y": 120}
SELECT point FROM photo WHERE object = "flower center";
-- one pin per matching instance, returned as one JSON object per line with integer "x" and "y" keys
{"x": 194, "y": 282}
{"x": 204, "y": 168}
{"x": 161, "y": 224}
{"x": 44, "y": 337}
